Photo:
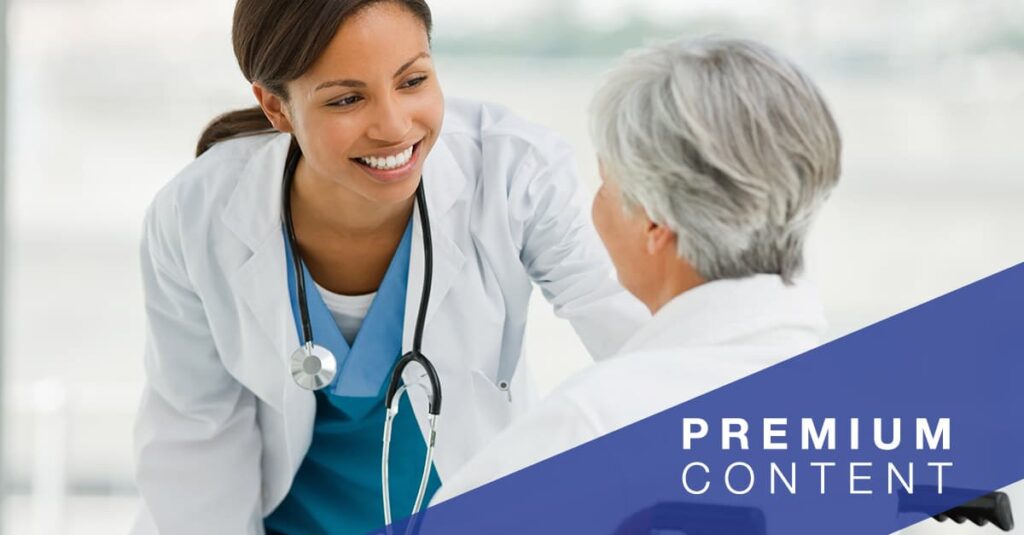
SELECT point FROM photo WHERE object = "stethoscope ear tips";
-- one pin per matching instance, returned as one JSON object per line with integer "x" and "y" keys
{"x": 313, "y": 367}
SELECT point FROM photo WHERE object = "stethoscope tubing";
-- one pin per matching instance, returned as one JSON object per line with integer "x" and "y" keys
{"x": 300, "y": 283}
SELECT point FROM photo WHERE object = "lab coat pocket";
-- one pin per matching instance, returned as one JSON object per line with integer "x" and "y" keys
{"x": 493, "y": 404}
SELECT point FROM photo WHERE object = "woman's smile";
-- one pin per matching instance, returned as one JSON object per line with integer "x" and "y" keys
{"x": 390, "y": 165}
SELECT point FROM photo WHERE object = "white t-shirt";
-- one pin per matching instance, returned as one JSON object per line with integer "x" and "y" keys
{"x": 348, "y": 310}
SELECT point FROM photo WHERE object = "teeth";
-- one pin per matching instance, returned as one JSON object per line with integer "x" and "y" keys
{"x": 390, "y": 162}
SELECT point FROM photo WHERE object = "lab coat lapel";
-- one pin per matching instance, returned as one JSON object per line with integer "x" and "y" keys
{"x": 443, "y": 182}
{"x": 268, "y": 334}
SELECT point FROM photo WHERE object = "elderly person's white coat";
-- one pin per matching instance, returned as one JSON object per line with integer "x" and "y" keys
{"x": 703, "y": 339}
{"x": 715, "y": 158}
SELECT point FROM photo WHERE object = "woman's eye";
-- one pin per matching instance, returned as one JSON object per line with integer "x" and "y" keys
{"x": 415, "y": 82}
{"x": 346, "y": 101}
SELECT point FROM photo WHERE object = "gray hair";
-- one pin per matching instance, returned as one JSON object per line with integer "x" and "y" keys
{"x": 724, "y": 141}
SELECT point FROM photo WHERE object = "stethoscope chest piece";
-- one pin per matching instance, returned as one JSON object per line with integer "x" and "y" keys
{"x": 313, "y": 366}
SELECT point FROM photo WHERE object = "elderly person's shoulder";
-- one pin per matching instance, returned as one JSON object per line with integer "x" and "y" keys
{"x": 702, "y": 340}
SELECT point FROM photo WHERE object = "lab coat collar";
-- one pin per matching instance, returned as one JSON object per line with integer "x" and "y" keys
{"x": 726, "y": 310}
{"x": 253, "y": 215}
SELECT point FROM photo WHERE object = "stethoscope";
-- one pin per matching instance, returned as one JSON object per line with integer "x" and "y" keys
{"x": 313, "y": 366}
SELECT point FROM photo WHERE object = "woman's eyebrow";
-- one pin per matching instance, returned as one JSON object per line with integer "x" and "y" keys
{"x": 344, "y": 83}
{"x": 410, "y": 62}
{"x": 359, "y": 84}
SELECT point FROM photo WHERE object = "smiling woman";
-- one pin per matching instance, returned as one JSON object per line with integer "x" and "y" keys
{"x": 298, "y": 225}
{"x": 344, "y": 108}
{"x": 353, "y": 119}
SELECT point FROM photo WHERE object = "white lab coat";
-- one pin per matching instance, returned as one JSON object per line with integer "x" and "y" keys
{"x": 222, "y": 428}
{"x": 704, "y": 338}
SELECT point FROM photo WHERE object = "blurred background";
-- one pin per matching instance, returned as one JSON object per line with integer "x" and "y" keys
{"x": 106, "y": 99}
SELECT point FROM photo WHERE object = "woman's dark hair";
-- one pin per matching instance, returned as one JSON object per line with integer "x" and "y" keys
{"x": 275, "y": 42}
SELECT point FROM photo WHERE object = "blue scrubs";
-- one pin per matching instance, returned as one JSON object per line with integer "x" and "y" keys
{"x": 338, "y": 489}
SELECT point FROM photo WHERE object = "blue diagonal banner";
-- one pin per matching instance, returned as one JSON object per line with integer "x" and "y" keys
{"x": 948, "y": 376}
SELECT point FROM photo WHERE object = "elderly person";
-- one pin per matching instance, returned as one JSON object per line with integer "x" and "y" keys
{"x": 715, "y": 157}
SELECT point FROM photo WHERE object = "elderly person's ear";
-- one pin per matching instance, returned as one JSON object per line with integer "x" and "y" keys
{"x": 660, "y": 239}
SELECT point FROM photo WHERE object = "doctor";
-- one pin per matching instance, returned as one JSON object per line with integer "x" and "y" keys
{"x": 715, "y": 155}
{"x": 314, "y": 196}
